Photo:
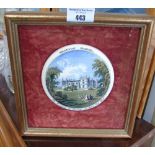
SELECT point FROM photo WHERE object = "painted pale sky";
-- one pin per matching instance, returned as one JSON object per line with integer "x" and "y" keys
{"x": 75, "y": 64}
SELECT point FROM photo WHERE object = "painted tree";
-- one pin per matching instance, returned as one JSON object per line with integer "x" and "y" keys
{"x": 51, "y": 79}
{"x": 101, "y": 71}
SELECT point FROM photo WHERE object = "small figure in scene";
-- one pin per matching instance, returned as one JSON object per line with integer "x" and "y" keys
{"x": 86, "y": 97}
{"x": 91, "y": 97}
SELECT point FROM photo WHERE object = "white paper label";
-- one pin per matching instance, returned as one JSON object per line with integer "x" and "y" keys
{"x": 80, "y": 14}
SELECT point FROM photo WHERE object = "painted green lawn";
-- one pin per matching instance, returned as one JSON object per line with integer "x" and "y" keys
{"x": 76, "y": 98}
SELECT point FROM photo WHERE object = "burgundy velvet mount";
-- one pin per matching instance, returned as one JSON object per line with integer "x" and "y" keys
{"x": 38, "y": 42}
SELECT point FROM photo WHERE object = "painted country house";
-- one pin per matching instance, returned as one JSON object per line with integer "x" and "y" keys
{"x": 83, "y": 83}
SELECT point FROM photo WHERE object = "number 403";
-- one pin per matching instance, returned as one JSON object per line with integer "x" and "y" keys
{"x": 80, "y": 17}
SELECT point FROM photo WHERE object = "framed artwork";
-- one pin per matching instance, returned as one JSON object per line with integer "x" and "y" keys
{"x": 78, "y": 79}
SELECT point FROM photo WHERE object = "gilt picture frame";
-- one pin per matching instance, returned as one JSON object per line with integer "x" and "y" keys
{"x": 43, "y": 42}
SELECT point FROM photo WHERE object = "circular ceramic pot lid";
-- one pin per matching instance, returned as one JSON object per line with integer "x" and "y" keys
{"x": 77, "y": 77}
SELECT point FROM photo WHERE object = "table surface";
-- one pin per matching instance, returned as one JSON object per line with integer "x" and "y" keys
{"x": 142, "y": 136}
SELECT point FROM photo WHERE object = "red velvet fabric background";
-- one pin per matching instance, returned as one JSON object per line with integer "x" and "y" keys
{"x": 37, "y": 43}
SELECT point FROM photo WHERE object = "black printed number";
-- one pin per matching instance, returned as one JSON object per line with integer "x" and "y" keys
{"x": 80, "y": 17}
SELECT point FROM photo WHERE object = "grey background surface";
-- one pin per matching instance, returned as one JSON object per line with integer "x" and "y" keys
{"x": 150, "y": 105}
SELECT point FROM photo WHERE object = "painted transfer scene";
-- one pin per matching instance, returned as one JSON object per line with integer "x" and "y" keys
{"x": 77, "y": 79}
